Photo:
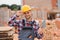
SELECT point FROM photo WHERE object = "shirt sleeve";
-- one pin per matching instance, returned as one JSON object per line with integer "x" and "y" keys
{"x": 11, "y": 21}
{"x": 36, "y": 25}
{"x": 39, "y": 36}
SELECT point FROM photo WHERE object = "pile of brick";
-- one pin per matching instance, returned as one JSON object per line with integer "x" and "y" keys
{"x": 51, "y": 32}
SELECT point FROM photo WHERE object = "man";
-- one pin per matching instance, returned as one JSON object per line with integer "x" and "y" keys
{"x": 28, "y": 18}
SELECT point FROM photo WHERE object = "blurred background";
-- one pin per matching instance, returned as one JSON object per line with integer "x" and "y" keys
{"x": 41, "y": 9}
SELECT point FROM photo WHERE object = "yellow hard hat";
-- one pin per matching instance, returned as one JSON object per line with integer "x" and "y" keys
{"x": 25, "y": 8}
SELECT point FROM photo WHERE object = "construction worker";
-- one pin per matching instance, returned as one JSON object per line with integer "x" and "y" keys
{"x": 26, "y": 10}
{"x": 17, "y": 23}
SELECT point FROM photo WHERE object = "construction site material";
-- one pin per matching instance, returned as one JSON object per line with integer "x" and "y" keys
{"x": 6, "y": 33}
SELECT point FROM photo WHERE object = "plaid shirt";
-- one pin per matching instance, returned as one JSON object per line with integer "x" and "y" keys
{"x": 15, "y": 23}
{"x": 19, "y": 24}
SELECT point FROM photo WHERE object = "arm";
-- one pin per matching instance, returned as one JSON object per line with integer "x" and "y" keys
{"x": 11, "y": 20}
{"x": 39, "y": 30}
{"x": 12, "y": 23}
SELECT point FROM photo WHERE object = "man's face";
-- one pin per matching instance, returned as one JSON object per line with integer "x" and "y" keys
{"x": 27, "y": 14}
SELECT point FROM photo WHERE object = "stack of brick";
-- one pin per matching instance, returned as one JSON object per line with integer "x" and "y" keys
{"x": 51, "y": 32}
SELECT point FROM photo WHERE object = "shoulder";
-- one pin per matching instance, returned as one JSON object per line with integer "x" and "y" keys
{"x": 36, "y": 21}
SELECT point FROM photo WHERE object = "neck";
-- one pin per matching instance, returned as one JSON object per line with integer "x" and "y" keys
{"x": 29, "y": 19}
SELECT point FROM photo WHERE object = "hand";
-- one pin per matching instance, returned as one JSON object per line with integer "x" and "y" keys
{"x": 35, "y": 39}
{"x": 40, "y": 31}
{"x": 16, "y": 31}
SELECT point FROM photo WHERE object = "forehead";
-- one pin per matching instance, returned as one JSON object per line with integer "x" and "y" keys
{"x": 27, "y": 12}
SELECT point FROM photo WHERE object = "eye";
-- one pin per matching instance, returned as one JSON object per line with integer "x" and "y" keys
{"x": 27, "y": 12}
{"x": 24, "y": 12}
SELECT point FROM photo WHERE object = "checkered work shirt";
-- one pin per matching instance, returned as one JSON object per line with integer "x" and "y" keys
{"x": 15, "y": 23}
{"x": 19, "y": 24}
